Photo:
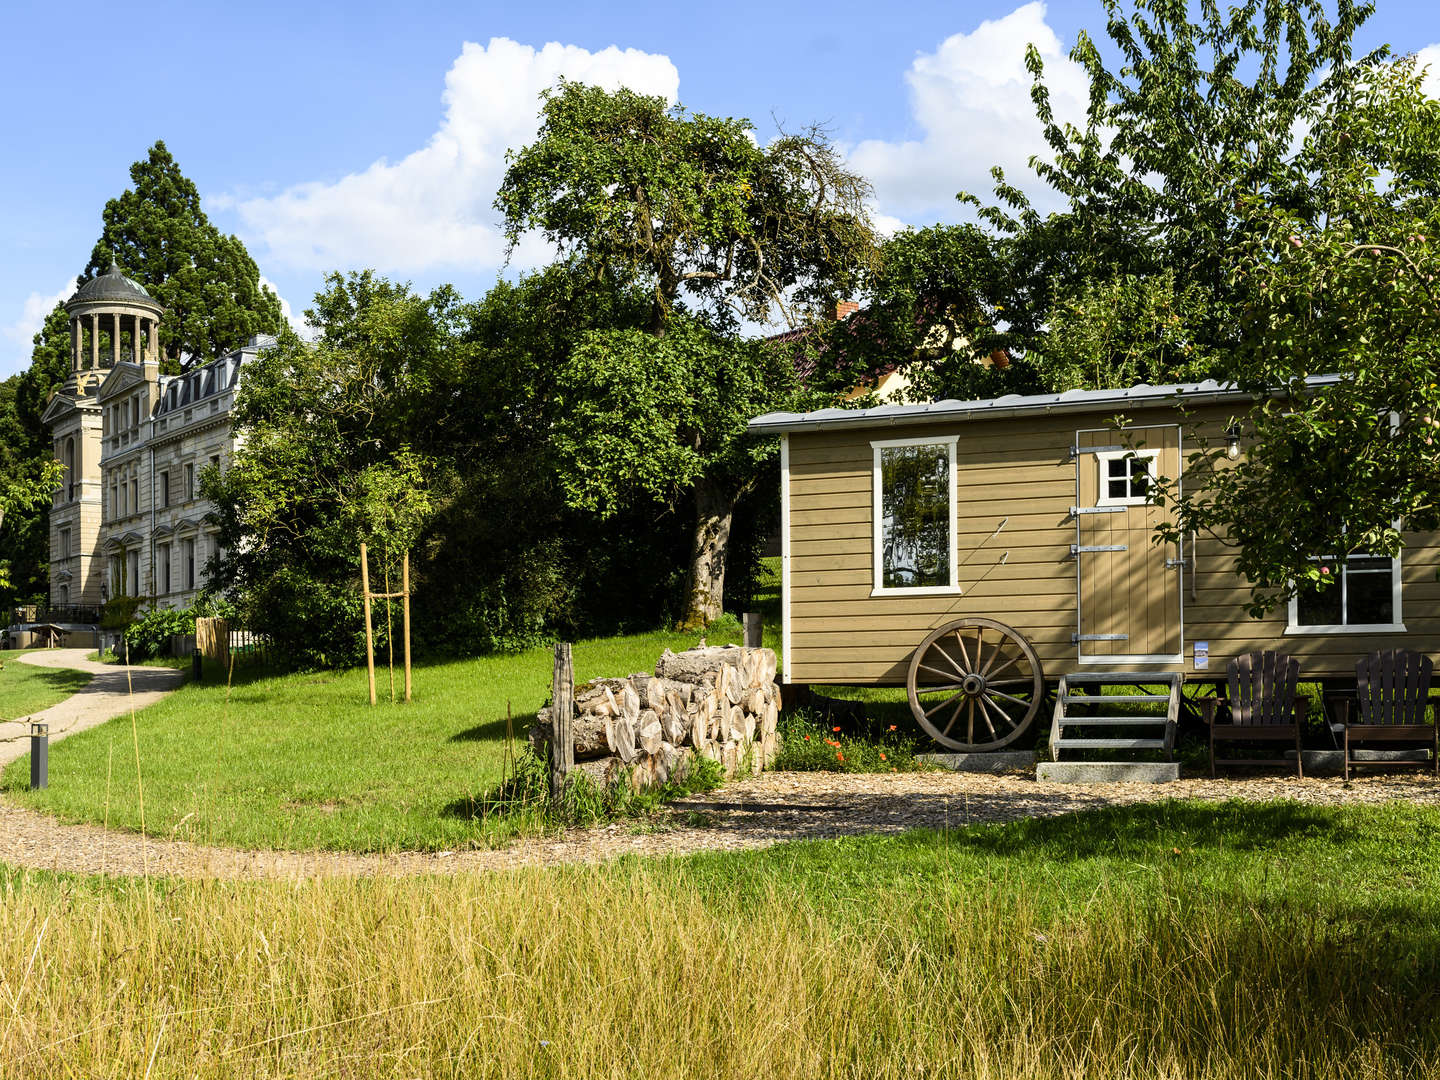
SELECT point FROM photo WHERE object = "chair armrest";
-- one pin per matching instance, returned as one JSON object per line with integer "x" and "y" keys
{"x": 1207, "y": 709}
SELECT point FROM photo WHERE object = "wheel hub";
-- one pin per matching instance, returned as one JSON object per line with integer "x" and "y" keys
{"x": 974, "y": 685}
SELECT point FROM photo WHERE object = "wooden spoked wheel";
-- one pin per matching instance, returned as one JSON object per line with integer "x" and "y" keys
{"x": 975, "y": 684}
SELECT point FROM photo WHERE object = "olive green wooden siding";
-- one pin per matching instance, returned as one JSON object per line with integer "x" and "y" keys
{"x": 1021, "y": 471}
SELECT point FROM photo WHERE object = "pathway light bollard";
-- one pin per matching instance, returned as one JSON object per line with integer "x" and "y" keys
{"x": 39, "y": 755}
{"x": 195, "y": 664}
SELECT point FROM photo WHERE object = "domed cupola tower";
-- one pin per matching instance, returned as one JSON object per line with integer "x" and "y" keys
{"x": 117, "y": 310}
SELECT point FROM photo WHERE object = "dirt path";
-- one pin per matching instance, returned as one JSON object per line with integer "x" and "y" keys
{"x": 749, "y": 814}
{"x": 104, "y": 697}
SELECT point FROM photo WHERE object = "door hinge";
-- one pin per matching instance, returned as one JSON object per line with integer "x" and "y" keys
{"x": 1172, "y": 564}
{"x": 1098, "y": 637}
{"x": 1078, "y": 549}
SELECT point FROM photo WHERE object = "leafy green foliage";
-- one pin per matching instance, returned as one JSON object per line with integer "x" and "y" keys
{"x": 149, "y": 635}
{"x": 691, "y": 213}
{"x": 327, "y": 462}
{"x": 809, "y": 743}
{"x": 1132, "y": 278}
{"x": 688, "y": 205}
{"x": 1344, "y": 286}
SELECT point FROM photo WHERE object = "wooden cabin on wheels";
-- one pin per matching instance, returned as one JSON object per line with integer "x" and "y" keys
{"x": 982, "y": 553}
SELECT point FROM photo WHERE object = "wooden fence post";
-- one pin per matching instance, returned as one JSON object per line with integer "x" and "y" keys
{"x": 369, "y": 631}
{"x": 754, "y": 632}
{"x": 562, "y": 704}
{"x": 405, "y": 587}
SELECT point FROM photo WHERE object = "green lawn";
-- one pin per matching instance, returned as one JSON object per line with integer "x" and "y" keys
{"x": 1176, "y": 939}
{"x": 25, "y": 689}
{"x": 303, "y": 761}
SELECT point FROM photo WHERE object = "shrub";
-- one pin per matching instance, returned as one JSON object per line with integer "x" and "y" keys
{"x": 118, "y": 612}
{"x": 149, "y": 635}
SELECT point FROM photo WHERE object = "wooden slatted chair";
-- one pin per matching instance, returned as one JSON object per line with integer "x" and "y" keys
{"x": 1263, "y": 708}
{"x": 1392, "y": 691}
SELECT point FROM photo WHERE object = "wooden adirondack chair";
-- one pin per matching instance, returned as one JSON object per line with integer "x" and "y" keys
{"x": 1263, "y": 708}
{"x": 1392, "y": 691}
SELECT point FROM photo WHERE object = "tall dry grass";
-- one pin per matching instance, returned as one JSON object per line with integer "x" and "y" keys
{"x": 637, "y": 971}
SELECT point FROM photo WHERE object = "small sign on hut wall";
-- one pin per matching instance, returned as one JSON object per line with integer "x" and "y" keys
{"x": 1202, "y": 655}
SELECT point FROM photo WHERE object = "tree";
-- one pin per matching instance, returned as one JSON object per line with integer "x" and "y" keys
{"x": 334, "y": 450}
{"x": 647, "y": 418}
{"x": 209, "y": 284}
{"x": 714, "y": 229}
{"x": 1344, "y": 284}
{"x": 1200, "y": 117}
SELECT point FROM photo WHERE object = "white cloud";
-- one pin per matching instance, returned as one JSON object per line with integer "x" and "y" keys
{"x": 971, "y": 100}
{"x": 433, "y": 208}
{"x": 20, "y": 334}
{"x": 297, "y": 322}
{"x": 1429, "y": 57}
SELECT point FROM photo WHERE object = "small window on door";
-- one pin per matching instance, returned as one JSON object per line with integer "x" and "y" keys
{"x": 1126, "y": 476}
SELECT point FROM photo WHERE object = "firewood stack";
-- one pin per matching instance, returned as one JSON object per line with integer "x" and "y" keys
{"x": 722, "y": 703}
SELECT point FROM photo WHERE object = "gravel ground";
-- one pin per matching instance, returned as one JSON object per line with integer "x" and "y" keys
{"x": 751, "y": 813}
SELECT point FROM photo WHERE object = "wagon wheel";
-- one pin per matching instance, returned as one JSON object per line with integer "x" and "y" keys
{"x": 975, "y": 684}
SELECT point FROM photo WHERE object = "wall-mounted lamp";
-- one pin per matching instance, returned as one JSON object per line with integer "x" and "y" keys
{"x": 1232, "y": 441}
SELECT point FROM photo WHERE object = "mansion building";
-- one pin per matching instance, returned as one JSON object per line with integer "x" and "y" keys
{"x": 128, "y": 519}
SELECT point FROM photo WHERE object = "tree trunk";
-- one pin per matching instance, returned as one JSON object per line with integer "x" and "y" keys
{"x": 714, "y": 511}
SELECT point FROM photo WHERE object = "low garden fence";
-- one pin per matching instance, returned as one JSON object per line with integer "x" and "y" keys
{"x": 217, "y": 640}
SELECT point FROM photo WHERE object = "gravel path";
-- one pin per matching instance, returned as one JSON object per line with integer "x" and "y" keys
{"x": 749, "y": 814}
{"x": 104, "y": 697}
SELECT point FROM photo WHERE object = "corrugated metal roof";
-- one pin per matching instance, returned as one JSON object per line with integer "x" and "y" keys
{"x": 1132, "y": 397}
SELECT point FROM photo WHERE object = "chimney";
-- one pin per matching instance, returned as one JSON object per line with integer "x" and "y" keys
{"x": 845, "y": 308}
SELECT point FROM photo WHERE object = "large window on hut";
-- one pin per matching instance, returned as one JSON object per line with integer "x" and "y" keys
{"x": 914, "y": 483}
{"x": 1361, "y": 593}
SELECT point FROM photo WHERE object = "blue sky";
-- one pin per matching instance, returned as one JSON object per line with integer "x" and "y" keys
{"x": 340, "y": 136}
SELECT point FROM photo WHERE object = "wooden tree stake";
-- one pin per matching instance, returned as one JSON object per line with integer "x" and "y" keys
{"x": 562, "y": 749}
{"x": 369, "y": 631}
{"x": 405, "y": 588}
{"x": 389, "y": 625}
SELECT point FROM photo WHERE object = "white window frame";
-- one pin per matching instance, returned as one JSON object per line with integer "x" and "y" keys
{"x": 1102, "y": 463}
{"x": 950, "y": 442}
{"x": 1295, "y": 627}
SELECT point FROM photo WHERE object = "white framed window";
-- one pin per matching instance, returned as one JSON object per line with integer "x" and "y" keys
{"x": 1364, "y": 597}
{"x": 1126, "y": 476}
{"x": 162, "y": 565}
{"x": 914, "y": 484}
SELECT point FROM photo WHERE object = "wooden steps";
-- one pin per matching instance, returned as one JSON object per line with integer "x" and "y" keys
{"x": 1145, "y": 730}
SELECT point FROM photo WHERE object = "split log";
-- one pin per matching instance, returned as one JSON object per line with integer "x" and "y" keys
{"x": 624, "y": 736}
{"x": 588, "y": 734}
{"x": 650, "y": 734}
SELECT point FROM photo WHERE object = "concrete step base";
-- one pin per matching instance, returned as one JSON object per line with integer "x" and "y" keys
{"x": 1332, "y": 762}
{"x": 1108, "y": 772}
{"x": 1001, "y": 761}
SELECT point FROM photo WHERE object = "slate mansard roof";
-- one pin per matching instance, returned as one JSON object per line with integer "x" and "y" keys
{"x": 198, "y": 384}
{"x": 1139, "y": 396}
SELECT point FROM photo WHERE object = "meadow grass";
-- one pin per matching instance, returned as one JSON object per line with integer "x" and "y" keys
{"x": 1165, "y": 940}
{"x": 25, "y": 689}
{"x": 303, "y": 761}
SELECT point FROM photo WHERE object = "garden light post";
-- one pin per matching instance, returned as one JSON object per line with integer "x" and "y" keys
{"x": 39, "y": 755}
